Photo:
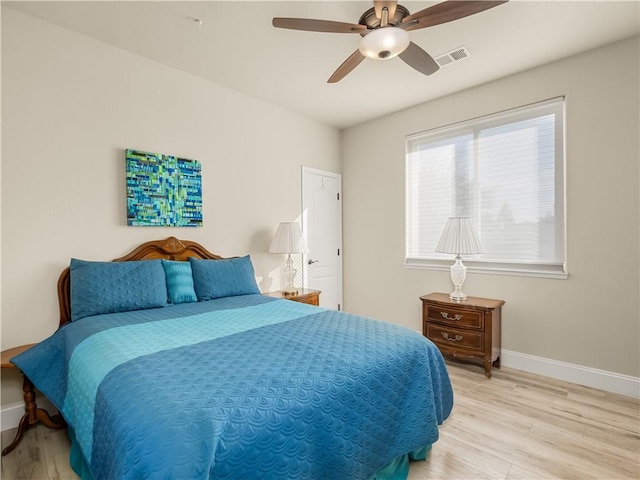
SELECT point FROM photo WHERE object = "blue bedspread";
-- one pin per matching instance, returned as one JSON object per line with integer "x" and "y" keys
{"x": 241, "y": 387}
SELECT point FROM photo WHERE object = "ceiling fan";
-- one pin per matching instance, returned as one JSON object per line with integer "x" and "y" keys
{"x": 384, "y": 30}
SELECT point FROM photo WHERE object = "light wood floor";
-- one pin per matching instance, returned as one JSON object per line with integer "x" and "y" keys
{"x": 513, "y": 426}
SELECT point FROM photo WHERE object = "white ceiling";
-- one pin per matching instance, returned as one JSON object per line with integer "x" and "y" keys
{"x": 237, "y": 47}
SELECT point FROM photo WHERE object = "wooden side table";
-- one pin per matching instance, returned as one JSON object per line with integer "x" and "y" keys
{"x": 467, "y": 329}
{"x": 304, "y": 295}
{"x": 32, "y": 414}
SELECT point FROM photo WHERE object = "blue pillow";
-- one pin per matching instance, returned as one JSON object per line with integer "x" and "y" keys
{"x": 223, "y": 278}
{"x": 110, "y": 287}
{"x": 179, "y": 281}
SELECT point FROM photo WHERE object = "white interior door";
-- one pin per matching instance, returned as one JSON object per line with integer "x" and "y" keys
{"x": 322, "y": 226}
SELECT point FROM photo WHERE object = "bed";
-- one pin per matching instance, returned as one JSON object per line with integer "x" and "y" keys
{"x": 169, "y": 363}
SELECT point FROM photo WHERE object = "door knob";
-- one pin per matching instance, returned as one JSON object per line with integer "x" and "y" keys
{"x": 311, "y": 262}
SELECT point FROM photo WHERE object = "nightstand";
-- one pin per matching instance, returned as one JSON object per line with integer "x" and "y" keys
{"x": 469, "y": 329}
{"x": 304, "y": 295}
{"x": 32, "y": 414}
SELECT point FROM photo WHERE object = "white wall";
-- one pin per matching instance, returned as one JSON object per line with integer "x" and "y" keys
{"x": 70, "y": 107}
{"x": 591, "y": 319}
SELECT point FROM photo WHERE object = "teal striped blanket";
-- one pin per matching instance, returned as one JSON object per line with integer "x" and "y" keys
{"x": 241, "y": 388}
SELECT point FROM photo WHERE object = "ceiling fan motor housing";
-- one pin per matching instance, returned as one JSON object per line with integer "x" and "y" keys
{"x": 371, "y": 21}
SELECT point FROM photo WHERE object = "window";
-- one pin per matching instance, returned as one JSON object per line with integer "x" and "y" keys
{"x": 504, "y": 171}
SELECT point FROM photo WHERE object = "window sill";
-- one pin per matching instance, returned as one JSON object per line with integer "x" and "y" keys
{"x": 548, "y": 270}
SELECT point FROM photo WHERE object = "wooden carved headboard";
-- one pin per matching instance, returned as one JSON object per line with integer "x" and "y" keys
{"x": 170, "y": 248}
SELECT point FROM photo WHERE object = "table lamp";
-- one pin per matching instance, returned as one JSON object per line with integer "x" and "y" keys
{"x": 459, "y": 237}
{"x": 288, "y": 239}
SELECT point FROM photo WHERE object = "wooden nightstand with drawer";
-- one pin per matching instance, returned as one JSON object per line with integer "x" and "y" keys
{"x": 304, "y": 295}
{"x": 469, "y": 329}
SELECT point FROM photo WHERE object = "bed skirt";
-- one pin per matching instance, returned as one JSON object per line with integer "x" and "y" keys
{"x": 397, "y": 469}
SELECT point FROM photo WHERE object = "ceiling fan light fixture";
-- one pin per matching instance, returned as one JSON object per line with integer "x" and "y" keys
{"x": 384, "y": 43}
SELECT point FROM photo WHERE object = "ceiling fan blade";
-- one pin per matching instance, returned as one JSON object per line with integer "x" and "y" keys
{"x": 416, "y": 57}
{"x": 447, "y": 12}
{"x": 347, "y": 66}
{"x": 312, "y": 25}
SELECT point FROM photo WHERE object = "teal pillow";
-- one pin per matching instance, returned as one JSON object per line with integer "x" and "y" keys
{"x": 179, "y": 281}
{"x": 223, "y": 278}
{"x": 110, "y": 287}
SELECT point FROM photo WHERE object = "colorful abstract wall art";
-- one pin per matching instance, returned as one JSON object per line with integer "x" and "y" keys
{"x": 163, "y": 190}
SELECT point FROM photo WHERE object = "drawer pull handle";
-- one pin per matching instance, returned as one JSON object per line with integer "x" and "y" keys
{"x": 457, "y": 338}
{"x": 446, "y": 316}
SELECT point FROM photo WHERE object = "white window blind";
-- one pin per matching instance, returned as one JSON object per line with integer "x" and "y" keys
{"x": 504, "y": 171}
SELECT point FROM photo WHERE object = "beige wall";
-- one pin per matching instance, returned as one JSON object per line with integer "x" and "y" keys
{"x": 592, "y": 318}
{"x": 70, "y": 106}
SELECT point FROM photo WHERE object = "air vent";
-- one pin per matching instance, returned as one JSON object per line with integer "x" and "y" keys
{"x": 454, "y": 55}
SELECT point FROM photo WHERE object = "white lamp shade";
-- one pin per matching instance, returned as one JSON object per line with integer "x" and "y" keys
{"x": 459, "y": 237}
{"x": 384, "y": 43}
{"x": 288, "y": 239}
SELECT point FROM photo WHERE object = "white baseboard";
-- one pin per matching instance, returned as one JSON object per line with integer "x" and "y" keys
{"x": 11, "y": 414}
{"x": 569, "y": 372}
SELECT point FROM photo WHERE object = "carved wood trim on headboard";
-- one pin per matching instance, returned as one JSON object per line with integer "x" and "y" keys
{"x": 170, "y": 248}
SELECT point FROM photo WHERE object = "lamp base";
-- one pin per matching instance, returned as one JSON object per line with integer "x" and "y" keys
{"x": 458, "y": 276}
{"x": 458, "y": 295}
{"x": 289, "y": 276}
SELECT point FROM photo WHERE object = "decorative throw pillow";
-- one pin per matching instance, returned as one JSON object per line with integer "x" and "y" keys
{"x": 110, "y": 287}
{"x": 179, "y": 281}
{"x": 223, "y": 278}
